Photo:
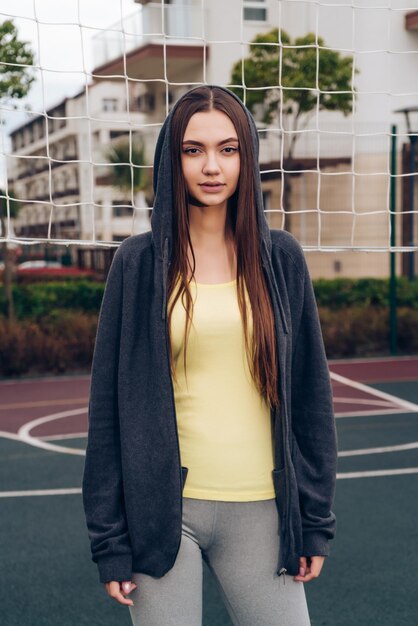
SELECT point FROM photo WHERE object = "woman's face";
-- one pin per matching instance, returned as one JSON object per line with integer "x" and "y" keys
{"x": 209, "y": 155}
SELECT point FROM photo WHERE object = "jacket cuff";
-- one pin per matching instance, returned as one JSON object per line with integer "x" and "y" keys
{"x": 315, "y": 544}
{"x": 115, "y": 567}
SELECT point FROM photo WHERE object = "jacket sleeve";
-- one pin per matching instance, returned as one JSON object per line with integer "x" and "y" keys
{"x": 102, "y": 487}
{"x": 314, "y": 437}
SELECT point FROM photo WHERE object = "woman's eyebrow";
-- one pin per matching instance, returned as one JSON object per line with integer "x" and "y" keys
{"x": 198, "y": 143}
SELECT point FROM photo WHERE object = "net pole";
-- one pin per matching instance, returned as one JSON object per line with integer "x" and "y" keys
{"x": 413, "y": 142}
{"x": 393, "y": 322}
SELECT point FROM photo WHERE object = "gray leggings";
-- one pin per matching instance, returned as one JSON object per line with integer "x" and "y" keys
{"x": 239, "y": 541}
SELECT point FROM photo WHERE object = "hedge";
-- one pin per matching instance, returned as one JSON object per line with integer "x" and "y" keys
{"x": 64, "y": 340}
{"x": 37, "y": 299}
{"x": 339, "y": 293}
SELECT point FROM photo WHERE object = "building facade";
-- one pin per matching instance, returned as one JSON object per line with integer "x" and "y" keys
{"x": 339, "y": 173}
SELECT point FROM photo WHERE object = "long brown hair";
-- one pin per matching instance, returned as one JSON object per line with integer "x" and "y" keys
{"x": 242, "y": 214}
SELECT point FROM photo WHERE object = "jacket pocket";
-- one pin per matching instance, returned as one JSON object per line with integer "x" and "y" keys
{"x": 279, "y": 482}
{"x": 184, "y": 471}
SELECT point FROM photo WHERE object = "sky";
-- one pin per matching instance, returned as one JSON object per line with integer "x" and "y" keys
{"x": 61, "y": 34}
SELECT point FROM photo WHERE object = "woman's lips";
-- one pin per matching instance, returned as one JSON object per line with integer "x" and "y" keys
{"x": 212, "y": 188}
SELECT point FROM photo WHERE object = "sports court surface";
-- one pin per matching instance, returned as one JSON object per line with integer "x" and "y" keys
{"x": 47, "y": 577}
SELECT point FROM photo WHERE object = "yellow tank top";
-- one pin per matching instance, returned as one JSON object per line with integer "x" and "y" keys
{"x": 224, "y": 425}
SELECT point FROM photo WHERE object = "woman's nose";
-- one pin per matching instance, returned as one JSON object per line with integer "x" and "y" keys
{"x": 211, "y": 164}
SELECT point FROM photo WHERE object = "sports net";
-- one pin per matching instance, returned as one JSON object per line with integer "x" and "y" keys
{"x": 325, "y": 82}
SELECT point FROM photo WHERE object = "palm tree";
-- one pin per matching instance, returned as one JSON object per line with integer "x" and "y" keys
{"x": 126, "y": 158}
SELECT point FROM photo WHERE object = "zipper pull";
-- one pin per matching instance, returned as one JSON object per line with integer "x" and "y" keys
{"x": 283, "y": 571}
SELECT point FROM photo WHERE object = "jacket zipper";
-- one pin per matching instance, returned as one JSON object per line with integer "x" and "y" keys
{"x": 283, "y": 570}
{"x": 165, "y": 270}
{"x": 280, "y": 569}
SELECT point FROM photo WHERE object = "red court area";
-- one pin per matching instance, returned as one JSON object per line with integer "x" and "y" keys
{"x": 378, "y": 370}
{"x": 353, "y": 385}
{"x": 54, "y": 406}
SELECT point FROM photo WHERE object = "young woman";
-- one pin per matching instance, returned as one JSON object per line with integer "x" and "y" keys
{"x": 211, "y": 429}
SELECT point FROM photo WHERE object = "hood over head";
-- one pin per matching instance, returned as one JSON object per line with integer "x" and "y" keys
{"x": 162, "y": 214}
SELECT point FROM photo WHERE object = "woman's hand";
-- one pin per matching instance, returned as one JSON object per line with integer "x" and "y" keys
{"x": 311, "y": 571}
{"x": 118, "y": 590}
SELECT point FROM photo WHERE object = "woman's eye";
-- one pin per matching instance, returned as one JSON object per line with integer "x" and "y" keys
{"x": 193, "y": 151}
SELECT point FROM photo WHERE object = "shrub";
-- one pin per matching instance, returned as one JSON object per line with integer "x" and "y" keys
{"x": 340, "y": 293}
{"x": 64, "y": 340}
{"x": 35, "y": 300}
{"x": 60, "y": 342}
{"x": 357, "y": 331}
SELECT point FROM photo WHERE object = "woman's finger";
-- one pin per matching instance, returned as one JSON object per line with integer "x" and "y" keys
{"x": 302, "y": 566}
{"x": 114, "y": 590}
{"x": 127, "y": 586}
{"x": 313, "y": 569}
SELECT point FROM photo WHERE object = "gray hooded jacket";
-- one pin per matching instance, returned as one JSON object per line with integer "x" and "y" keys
{"x": 133, "y": 477}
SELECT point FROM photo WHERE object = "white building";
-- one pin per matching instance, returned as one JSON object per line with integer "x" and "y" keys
{"x": 340, "y": 189}
{"x": 60, "y": 174}
{"x": 340, "y": 185}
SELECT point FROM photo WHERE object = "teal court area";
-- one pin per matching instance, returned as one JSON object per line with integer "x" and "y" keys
{"x": 48, "y": 578}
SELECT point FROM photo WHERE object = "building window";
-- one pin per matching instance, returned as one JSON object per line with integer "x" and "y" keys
{"x": 42, "y": 128}
{"x": 65, "y": 179}
{"x": 110, "y": 105}
{"x": 255, "y": 10}
{"x": 262, "y": 135}
{"x": 266, "y": 201}
{"x": 121, "y": 209}
{"x": 114, "y": 134}
{"x": 146, "y": 102}
{"x": 170, "y": 97}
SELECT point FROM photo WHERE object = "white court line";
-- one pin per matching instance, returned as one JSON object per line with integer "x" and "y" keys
{"x": 409, "y": 406}
{"x": 25, "y": 436}
{"x": 343, "y": 453}
{"x": 398, "y": 448}
{"x": 377, "y": 412}
{"x": 39, "y": 492}
{"x": 363, "y": 401}
{"x": 16, "y": 437}
{"x": 59, "y": 437}
{"x": 374, "y": 473}
{"x": 7, "y": 435}
{"x": 77, "y": 490}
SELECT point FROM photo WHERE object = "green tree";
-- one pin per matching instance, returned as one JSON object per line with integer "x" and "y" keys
{"x": 126, "y": 159}
{"x": 16, "y": 78}
{"x": 16, "y": 61}
{"x": 293, "y": 65}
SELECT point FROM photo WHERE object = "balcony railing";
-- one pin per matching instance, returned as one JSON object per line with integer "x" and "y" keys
{"x": 182, "y": 24}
